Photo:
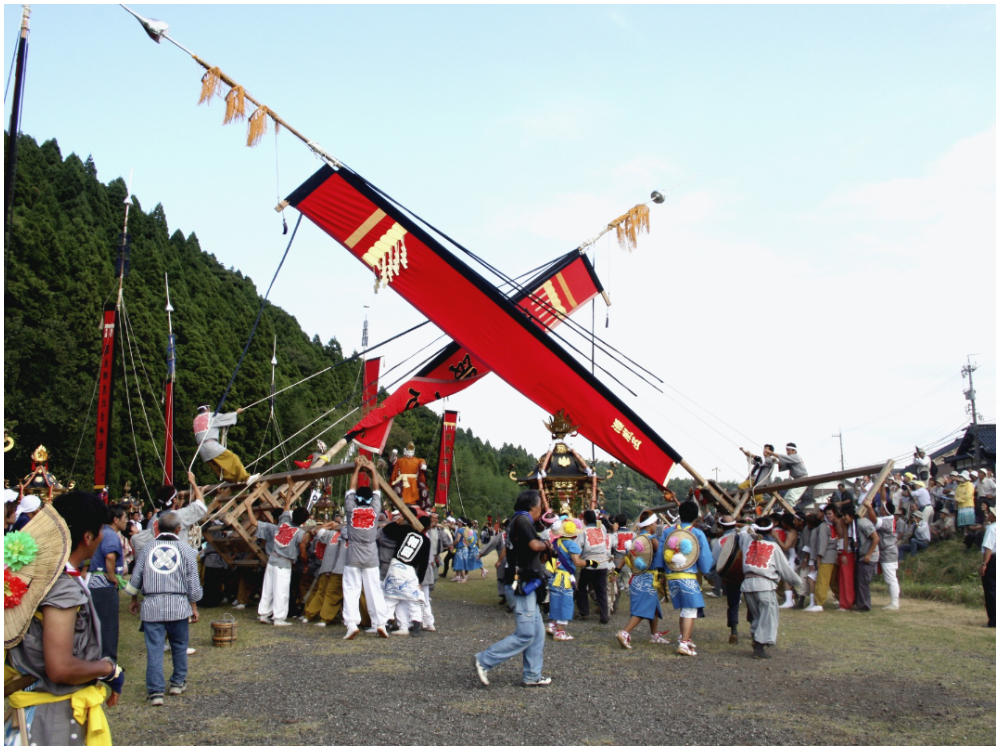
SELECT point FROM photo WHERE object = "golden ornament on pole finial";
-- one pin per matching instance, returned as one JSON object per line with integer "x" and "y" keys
{"x": 560, "y": 425}
{"x": 41, "y": 455}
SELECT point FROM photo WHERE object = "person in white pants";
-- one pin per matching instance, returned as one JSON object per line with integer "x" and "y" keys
{"x": 282, "y": 546}
{"x": 362, "y": 506}
{"x": 886, "y": 525}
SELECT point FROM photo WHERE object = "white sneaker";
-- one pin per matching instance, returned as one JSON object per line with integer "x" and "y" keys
{"x": 891, "y": 606}
{"x": 351, "y": 632}
{"x": 430, "y": 629}
{"x": 813, "y": 608}
{"x": 240, "y": 606}
{"x": 481, "y": 671}
{"x": 265, "y": 620}
{"x": 320, "y": 624}
{"x": 191, "y": 651}
{"x": 281, "y": 623}
{"x": 304, "y": 620}
{"x": 371, "y": 630}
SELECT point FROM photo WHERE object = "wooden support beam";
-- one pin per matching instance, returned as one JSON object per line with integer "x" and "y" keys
{"x": 764, "y": 489}
{"x": 388, "y": 492}
{"x": 879, "y": 481}
{"x": 720, "y": 495}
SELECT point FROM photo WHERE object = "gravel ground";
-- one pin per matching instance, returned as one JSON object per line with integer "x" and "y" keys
{"x": 836, "y": 678}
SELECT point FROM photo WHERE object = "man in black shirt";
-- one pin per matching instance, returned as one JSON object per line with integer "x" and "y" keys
{"x": 525, "y": 588}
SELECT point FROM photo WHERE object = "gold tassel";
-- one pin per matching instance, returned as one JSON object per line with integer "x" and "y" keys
{"x": 235, "y": 105}
{"x": 209, "y": 85}
{"x": 257, "y": 126}
{"x": 629, "y": 225}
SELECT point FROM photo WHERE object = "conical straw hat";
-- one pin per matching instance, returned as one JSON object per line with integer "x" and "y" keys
{"x": 51, "y": 534}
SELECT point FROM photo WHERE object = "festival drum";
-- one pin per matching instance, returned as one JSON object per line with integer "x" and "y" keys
{"x": 681, "y": 550}
{"x": 730, "y": 563}
{"x": 641, "y": 553}
{"x": 224, "y": 631}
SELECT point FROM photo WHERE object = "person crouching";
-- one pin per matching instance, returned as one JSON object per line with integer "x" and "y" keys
{"x": 764, "y": 564}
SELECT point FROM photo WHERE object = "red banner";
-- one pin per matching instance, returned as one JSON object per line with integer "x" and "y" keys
{"x": 446, "y": 457}
{"x": 554, "y": 294}
{"x": 105, "y": 390}
{"x": 408, "y": 259}
{"x": 369, "y": 397}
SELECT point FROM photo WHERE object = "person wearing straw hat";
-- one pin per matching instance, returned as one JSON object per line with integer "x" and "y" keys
{"x": 965, "y": 502}
{"x": 562, "y": 577}
{"x": 684, "y": 552}
{"x": 166, "y": 573}
{"x": 51, "y": 630}
{"x": 764, "y": 564}
{"x": 644, "y": 602}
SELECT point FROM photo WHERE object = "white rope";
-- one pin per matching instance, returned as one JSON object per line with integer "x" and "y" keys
{"x": 138, "y": 389}
{"x": 135, "y": 441}
{"x": 149, "y": 383}
{"x": 86, "y": 421}
{"x": 290, "y": 437}
{"x": 313, "y": 438}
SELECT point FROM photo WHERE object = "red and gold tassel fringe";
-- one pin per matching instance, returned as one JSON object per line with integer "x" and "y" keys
{"x": 235, "y": 105}
{"x": 209, "y": 85}
{"x": 629, "y": 225}
{"x": 257, "y": 126}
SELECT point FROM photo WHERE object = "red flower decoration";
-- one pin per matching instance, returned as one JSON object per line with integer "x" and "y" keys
{"x": 13, "y": 589}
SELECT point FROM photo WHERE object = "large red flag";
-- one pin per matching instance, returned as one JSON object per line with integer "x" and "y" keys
{"x": 473, "y": 312}
{"x": 555, "y": 293}
{"x": 102, "y": 456}
{"x": 446, "y": 457}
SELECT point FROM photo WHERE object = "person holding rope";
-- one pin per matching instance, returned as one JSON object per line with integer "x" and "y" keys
{"x": 223, "y": 461}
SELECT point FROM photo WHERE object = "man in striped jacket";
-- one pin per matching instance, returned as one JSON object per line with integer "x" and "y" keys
{"x": 166, "y": 573}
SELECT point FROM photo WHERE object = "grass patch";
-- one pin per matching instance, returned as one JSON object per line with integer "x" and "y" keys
{"x": 944, "y": 572}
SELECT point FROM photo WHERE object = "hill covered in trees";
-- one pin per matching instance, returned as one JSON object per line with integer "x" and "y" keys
{"x": 60, "y": 254}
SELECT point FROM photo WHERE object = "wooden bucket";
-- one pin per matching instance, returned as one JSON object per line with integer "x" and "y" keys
{"x": 224, "y": 631}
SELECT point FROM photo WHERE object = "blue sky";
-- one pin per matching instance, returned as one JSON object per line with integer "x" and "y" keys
{"x": 834, "y": 208}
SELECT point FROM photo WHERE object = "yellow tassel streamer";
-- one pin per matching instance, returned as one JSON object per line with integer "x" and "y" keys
{"x": 235, "y": 105}
{"x": 209, "y": 85}
{"x": 629, "y": 225}
{"x": 257, "y": 126}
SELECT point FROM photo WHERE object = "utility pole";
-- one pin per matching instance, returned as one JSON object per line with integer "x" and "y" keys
{"x": 840, "y": 436}
{"x": 970, "y": 396}
{"x": 716, "y": 470}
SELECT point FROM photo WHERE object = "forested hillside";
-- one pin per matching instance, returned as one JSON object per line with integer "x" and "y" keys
{"x": 60, "y": 270}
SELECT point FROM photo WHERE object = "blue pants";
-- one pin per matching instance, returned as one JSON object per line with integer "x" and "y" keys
{"x": 156, "y": 635}
{"x": 528, "y": 638}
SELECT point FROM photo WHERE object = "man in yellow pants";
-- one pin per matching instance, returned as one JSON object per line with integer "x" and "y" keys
{"x": 206, "y": 433}
{"x": 824, "y": 558}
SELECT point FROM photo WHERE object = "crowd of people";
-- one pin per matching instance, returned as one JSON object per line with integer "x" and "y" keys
{"x": 370, "y": 569}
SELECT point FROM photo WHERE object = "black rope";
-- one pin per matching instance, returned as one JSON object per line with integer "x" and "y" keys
{"x": 604, "y": 346}
{"x": 260, "y": 312}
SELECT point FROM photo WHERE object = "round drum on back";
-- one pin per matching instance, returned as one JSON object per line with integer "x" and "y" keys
{"x": 730, "y": 563}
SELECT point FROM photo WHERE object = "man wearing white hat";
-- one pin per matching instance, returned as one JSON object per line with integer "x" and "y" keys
{"x": 26, "y": 510}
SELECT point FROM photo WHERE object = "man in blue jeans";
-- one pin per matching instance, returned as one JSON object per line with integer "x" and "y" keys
{"x": 166, "y": 573}
{"x": 524, "y": 574}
